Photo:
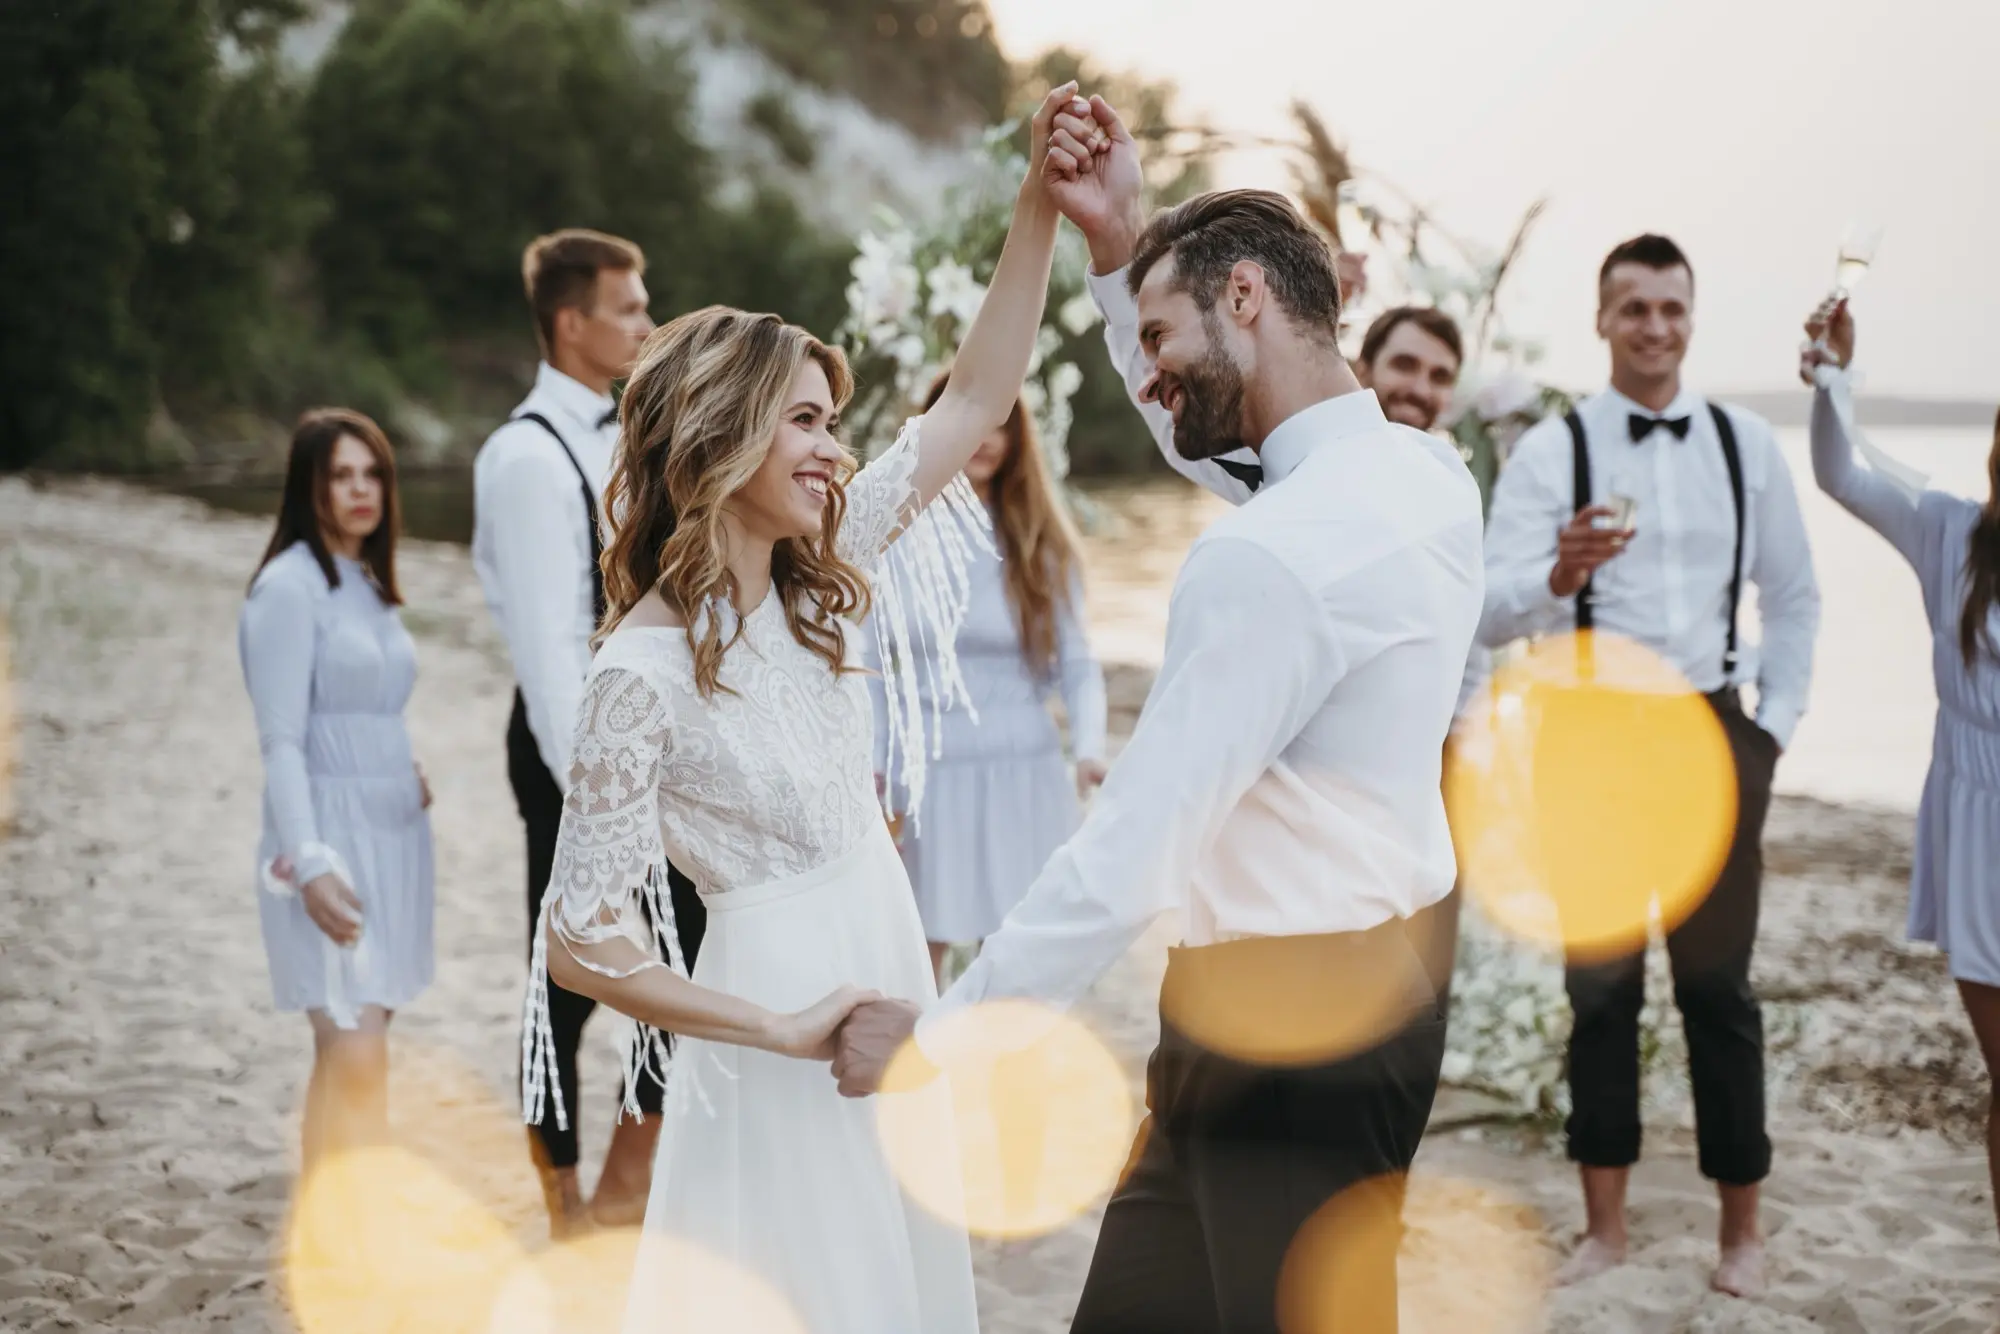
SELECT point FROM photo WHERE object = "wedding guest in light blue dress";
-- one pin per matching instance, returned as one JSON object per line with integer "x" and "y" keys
{"x": 1953, "y": 544}
{"x": 998, "y": 798}
{"x": 345, "y": 857}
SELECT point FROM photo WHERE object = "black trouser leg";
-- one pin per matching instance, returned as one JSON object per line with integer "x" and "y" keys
{"x": 540, "y": 802}
{"x": 1604, "y": 1001}
{"x": 1237, "y": 1159}
{"x": 1149, "y": 1273}
{"x": 1710, "y": 953}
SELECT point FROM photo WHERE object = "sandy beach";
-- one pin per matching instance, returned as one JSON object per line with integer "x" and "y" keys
{"x": 147, "y": 1113}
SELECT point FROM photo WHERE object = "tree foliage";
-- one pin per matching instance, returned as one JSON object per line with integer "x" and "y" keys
{"x": 143, "y": 179}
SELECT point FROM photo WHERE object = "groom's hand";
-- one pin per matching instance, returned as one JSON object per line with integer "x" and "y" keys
{"x": 869, "y": 1040}
{"x": 1099, "y": 182}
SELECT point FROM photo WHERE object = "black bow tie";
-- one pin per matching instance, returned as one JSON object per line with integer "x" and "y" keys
{"x": 611, "y": 419}
{"x": 1250, "y": 474}
{"x": 1643, "y": 426}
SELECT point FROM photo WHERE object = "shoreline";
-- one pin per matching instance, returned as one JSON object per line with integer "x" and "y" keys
{"x": 147, "y": 1134}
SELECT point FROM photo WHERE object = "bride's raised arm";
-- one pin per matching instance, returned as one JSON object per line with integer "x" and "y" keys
{"x": 986, "y": 375}
{"x": 992, "y": 360}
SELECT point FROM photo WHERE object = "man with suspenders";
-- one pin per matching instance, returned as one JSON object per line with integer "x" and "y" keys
{"x": 537, "y": 488}
{"x": 1642, "y": 514}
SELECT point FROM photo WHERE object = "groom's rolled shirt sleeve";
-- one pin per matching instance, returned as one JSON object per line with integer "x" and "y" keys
{"x": 1250, "y": 657}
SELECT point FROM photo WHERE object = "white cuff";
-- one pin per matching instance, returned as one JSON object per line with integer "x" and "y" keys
{"x": 1113, "y": 298}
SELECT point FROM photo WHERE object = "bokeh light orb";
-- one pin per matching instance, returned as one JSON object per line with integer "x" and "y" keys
{"x": 1028, "y": 1129}
{"x": 1286, "y": 1002}
{"x": 381, "y": 1242}
{"x": 1592, "y": 789}
{"x": 625, "y": 1281}
{"x": 1467, "y": 1260}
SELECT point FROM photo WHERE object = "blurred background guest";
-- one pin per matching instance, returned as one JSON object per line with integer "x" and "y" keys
{"x": 536, "y": 538}
{"x": 999, "y": 799}
{"x": 1953, "y": 544}
{"x": 346, "y": 846}
{"x": 1410, "y": 357}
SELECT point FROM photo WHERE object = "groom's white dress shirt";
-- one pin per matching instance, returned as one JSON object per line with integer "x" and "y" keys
{"x": 1669, "y": 589}
{"x": 531, "y": 549}
{"x": 1121, "y": 339}
{"x": 1283, "y": 778}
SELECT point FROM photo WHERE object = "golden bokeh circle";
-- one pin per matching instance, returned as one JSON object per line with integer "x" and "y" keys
{"x": 1467, "y": 1261}
{"x": 1593, "y": 789}
{"x": 625, "y": 1281}
{"x": 380, "y": 1241}
{"x": 1288, "y": 1001}
{"x": 1028, "y": 1129}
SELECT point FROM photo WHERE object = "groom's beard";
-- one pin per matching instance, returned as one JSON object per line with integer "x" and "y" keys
{"x": 1211, "y": 420}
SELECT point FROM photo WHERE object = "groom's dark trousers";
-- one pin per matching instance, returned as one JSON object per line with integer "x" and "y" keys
{"x": 1236, "y": 1158}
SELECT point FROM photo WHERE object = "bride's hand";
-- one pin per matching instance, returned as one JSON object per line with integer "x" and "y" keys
{"x": 1045, "y": 169}
{"x": 809, "y": 1034}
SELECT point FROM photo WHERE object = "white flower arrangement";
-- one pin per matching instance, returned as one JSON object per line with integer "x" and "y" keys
{"x": 915, "y": 287}
{"x": 1510, "y": 1023}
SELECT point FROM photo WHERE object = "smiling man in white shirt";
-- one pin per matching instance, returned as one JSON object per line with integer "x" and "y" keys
{"x": 538, "y": 484}
{"x": 1714, "y": 507}
{"x": 1280, "y": 791}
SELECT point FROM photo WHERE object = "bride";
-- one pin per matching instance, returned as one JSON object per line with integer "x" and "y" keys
{"x": 726, "y": 726}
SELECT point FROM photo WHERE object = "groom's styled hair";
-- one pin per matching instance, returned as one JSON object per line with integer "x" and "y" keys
{"x": 1209, "y": 234}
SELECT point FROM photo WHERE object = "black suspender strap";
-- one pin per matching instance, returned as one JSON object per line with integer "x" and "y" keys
{"x": 1579, "y": 453}
{"x": 597, "y": 603}
{"x": 1733, "y": 459}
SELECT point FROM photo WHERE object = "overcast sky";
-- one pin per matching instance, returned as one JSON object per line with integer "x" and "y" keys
{"x": 1751, "y": 131}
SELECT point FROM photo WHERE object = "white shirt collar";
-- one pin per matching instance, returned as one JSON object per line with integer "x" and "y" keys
{"x": 579, "y": 400}
{"x": 1330, "y": 419}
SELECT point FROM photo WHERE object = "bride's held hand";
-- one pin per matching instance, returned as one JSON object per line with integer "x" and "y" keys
{"x": 811, "y": 1034}
{"x": 1071, "y": 159}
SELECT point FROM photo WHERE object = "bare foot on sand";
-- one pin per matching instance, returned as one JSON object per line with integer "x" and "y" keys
{"x": 1591, "y": 1257}
{"x": 1740, "y": 1273}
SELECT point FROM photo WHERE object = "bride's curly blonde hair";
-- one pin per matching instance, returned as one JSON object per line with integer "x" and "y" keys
{"x": 697, "y": 418}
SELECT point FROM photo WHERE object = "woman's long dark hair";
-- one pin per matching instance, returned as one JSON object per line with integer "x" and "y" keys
{"x": 306, "y": 511}
{"x": 1982, "y": 566}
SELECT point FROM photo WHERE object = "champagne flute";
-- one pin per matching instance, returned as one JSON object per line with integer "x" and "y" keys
{"x": 1857, "y": 252}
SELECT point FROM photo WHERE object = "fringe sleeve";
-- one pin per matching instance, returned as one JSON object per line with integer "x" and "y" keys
{"x": 610, "y": 873}
{"x": 918, "y": 559}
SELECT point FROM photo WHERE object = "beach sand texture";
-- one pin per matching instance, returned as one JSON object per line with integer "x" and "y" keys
{"x": 148, "y": 1105}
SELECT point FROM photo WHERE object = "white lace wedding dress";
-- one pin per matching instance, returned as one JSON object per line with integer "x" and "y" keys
{"x": 764, "y": 795}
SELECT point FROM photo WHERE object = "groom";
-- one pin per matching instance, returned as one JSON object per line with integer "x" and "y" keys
{"x": 1281, "y": 789}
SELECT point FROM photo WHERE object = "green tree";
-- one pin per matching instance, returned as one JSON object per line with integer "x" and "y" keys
{"x": 448, "y": 133}
{"x": 128, "y": 248}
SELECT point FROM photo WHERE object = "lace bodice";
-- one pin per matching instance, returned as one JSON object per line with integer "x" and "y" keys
{"x": 771, "y": 776}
